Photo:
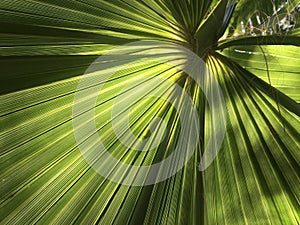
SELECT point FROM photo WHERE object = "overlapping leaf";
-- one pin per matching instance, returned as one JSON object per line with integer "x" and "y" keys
{"x": 44, "y": 178}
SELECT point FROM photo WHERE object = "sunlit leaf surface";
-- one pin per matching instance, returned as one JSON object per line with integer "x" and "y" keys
{"x": 47, "y": 46}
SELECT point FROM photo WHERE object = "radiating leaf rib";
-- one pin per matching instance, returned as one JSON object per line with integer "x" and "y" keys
{"x": 44, "y": 178}
{"x": 283, "y": 68}
{"x": 275, "y": 94}
{"x": 266, "y": 144}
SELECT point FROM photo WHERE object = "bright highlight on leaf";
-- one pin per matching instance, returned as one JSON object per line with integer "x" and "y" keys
{"x": 146, "y": 110}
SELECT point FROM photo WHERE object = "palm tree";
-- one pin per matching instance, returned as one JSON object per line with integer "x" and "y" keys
{"x": 251, "y": 48}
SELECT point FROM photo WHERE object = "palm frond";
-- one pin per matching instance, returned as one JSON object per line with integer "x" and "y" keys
{"x": 46, "y": 48}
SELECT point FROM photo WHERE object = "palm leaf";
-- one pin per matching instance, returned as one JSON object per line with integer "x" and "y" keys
{"x": 276, "y": 64}
{"x": 47, "y": 46}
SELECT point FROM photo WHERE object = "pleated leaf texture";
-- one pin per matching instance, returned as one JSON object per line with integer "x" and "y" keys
{"x": 46, "y": 48}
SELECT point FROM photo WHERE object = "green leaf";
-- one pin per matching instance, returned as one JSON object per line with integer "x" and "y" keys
{"x": 260, "y": 40}
{"x": 207, "y": 34}
{"x": 276, "y": 65}
{"x": 47, "y": 46}
{"x": 249, "y": 172}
